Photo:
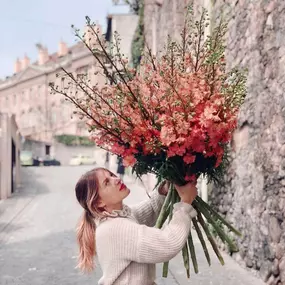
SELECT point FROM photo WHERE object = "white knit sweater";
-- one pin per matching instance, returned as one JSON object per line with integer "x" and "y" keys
{"x": 128, "y": 246}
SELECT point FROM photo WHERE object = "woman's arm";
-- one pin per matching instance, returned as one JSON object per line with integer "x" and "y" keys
{"x": 144, "y": 244}
{"x": 146, "y": 212}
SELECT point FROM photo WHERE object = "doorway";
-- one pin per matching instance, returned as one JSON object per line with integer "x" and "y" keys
{"x": 13, "y": 166}
{"x": 47, "y": 150}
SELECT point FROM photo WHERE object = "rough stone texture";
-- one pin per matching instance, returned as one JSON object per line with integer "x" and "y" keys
{"x": 254, "y": 196}
{"x": 162, "y": 19}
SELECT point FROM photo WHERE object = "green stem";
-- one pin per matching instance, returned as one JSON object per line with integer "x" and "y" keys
{"x": 165, "y": 269}
{"x": 172, "y": 202}
{"x": 163, "y": 212}
{"x": 210, "y": 238}
{"x": 193, "y": 253}
{"x": 215, "y": 213}
{"x": 219, "y": 231}
{"x": 170, "y": 209}
{"x": 185, "y": 255}
{"x": 201, "y": 238}
{"x": 176, "y": 197}
{"x": 166, "y": 215}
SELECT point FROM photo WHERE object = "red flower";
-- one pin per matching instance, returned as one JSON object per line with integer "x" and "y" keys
{"x": 129, "y": 160}
{"x": 190, "y": 178}
{"x": 189, "y": 159}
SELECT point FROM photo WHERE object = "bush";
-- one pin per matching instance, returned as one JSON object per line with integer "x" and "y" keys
{"x": 74, "y": 140}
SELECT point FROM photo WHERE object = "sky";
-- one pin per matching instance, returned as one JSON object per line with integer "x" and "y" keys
{"x": 24, "y": 23}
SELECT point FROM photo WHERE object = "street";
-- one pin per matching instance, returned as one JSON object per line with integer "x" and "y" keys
{"x": 37, "y": 236}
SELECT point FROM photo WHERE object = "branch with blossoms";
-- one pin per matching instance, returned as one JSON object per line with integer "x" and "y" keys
{"x": 174, "y": 116}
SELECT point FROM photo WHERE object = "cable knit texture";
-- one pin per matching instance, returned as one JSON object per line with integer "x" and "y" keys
{"x": 128, "y": 246}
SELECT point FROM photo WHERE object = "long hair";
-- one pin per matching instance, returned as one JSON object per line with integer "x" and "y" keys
{"x": 86, "y": 191}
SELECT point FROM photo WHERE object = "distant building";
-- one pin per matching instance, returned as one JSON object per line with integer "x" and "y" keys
{"x": 125, "y": 25}
{"x": 26, "y": 94}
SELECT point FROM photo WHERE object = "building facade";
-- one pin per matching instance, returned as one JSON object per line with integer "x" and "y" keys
{"x": 39, "y": 114}
{"x": 9, "y": 155}
{"x": 124, "y": 25}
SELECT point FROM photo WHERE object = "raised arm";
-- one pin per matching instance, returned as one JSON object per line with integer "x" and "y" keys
{"x": 144, "y": 244}
{"x": 146, "y": 212}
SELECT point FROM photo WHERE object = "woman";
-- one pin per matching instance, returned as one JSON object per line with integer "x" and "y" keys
{"x": 127, "y": 244}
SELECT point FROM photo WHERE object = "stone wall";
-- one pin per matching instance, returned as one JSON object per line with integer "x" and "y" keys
{"x": 9, "y": 155}
{"x": 163, "y": 18}
{"x": 254, "y": 196}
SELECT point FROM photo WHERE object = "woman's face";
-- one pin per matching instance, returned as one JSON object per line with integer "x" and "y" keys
{"x": 111, "y": 190}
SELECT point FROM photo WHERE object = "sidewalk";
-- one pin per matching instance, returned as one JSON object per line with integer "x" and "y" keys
{"x": 11, "y": 208}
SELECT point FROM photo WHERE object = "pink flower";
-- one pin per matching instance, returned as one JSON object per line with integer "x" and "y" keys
{"x": 129, "y": 160}
{"x": 118, "y": 149}
{"x": 188, "y": 158}
{"x": 190, "y": 178}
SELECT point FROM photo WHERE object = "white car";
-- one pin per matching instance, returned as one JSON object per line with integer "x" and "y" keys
{"x": 82, "y": 159}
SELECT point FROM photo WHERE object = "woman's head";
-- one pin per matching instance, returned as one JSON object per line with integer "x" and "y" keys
{"x": 97, "y": 191}
{"x": 100, "y": 190}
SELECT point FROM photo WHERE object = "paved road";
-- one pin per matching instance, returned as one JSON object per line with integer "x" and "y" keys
{"x": 37, "y": 240}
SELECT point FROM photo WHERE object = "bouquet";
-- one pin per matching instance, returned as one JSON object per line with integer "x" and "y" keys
{"x": 174, "y": 116}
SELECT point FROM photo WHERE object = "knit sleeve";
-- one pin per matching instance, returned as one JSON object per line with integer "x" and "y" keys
{"x": 143, "y": 244}
{"x": 146, "y": 212}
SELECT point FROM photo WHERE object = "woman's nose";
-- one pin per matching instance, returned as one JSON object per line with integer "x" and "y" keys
{"x": 117, "y": 180}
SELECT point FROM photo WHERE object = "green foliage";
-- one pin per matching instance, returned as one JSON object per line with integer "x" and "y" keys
{"x": 174, "y": 169}
{"x": 72, "y": 140}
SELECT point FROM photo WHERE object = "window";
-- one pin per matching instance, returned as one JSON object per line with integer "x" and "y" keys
{"x": 28, "y": 94}
{"x": 53, "y": 116}
{"x": 47, "y": 149}
{"x": 82, "y": 72}
{"x": 40, "y": 91}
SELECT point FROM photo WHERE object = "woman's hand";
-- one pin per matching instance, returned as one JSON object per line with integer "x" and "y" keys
{"x": 164, "y": 187}
{"x": 187, "y": 192}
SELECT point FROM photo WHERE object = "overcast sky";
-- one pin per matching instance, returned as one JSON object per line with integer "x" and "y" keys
{"x": 27, "y": 22}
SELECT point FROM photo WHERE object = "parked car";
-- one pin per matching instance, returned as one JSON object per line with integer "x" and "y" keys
{"x": 81, "y": 159}
{"x": 28, "y": 159}
{"x": 49, "y": 161}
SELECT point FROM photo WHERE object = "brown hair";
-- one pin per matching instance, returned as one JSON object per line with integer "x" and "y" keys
{"x": 87, "y": 195}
